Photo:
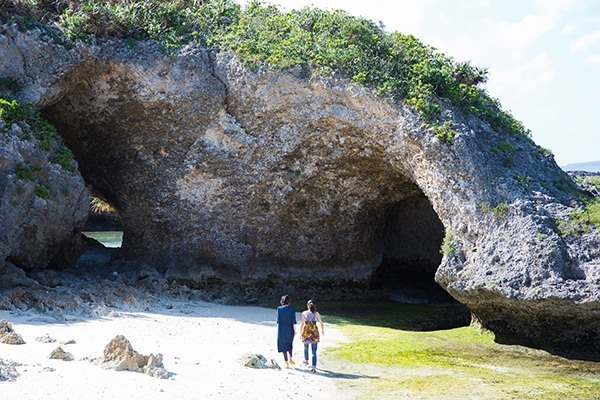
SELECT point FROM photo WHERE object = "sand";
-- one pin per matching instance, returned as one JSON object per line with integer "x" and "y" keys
{"x": 201, "y": 343}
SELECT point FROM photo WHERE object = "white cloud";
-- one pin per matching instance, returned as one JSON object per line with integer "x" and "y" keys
{"x": 593, "y": 59}
{"x": 536, "y": 73}
{"x": 528, "y": 76}
{"x": 585, "y": 42}
{"x": 569, "y": 29}
{"x": 554, "y": 6}
{"x": 521, "y": 35}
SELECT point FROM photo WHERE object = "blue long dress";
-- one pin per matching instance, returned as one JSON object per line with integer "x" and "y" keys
{"x": 286, "y": 319}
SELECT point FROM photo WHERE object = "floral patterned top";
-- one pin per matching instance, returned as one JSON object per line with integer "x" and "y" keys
{"x": 310, "y": 331}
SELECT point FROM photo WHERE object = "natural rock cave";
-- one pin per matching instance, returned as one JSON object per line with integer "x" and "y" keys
{"x": 128, "y": 152}
{"x": 405, "y": 234}
{"x": 248, "y": 176}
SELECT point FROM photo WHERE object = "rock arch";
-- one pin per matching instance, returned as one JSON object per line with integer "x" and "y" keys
{"x": 221, "y": 171}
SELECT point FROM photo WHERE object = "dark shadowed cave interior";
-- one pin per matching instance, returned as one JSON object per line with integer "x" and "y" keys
{"x": 411, "y": 241}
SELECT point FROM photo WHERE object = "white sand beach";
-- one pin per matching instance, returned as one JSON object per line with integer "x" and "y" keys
{"x": 201, "y": 344}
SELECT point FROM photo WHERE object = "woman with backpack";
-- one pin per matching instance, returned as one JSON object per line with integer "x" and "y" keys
{"x": 309, "y": 332}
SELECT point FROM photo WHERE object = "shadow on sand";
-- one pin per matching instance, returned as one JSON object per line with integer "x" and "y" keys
{"x": 328, "y": 373}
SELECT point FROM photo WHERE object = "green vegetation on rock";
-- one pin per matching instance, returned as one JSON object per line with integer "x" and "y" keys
{"x": 100, "y": 205}
{"x": 580, "y": 222}
{"x": 448, "y": 245}
{"x": 593, "y": 212}
{"x": 499, "y": 210}
{"x": 30, "y": 125}
{"x": 588, "y": 214}
{"x": 11, "y": 112}
{"x": 336, "y": 43}
{"x": 326, "y": 43}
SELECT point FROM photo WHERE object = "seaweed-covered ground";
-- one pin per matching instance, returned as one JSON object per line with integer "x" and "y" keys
{"x": 407, "y": 356}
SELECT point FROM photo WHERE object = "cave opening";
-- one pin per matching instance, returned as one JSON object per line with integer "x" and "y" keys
{"x": 104, "y": 223}
{"x": 411, "y": 238}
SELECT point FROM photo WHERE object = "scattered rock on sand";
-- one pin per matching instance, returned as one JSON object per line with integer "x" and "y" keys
{"x": 60, "y": 354}
{"x": 258, "y": 361}
{"x": 8, "y": 334}
{"x": 5, "y": 327}
{"x": 154, "y": 367}
{"x": 45, "y": 339}
{"x": 8, "y": 371}
{"x": 120, "y": 355}
{"x": 12, "y": 338}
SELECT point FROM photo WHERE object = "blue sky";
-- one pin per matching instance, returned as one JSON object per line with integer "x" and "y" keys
{"x": 543, "y": 57}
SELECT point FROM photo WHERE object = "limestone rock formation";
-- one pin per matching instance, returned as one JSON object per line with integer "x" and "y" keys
{"x": 42, "y": 205}
{"x": 120, "y": 355}
{"x": 45, "y": 339}
{"x": 60, "y": 354}
{"x": 258, "y": 361}
{"x": 8, "y": 370}
{"x": 8, "y": 334}
{"x": 219, "y": 171}
{"x": 13, "y": 276}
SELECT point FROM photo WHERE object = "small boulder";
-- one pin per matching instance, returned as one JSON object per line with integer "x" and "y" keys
{"x": 45, "y": 339}
{"x": 12, "y": 338}
{"x": 120, "y": 355}
{"x": 60, "y": 354}
{"x": 155, "y": 367}
{"x": 8, "y": 370}
{"x": 8, "y": 334}
{"x": 258, "y": 361}
{"x": 5, "y": 327}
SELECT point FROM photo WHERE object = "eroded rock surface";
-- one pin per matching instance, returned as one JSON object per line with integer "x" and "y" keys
{"x": 120, "y": 355}
{"x": 8, "y": 370}
{"x": 222, "y": 172}
{"x": 8, "y": 334}
{"x": 60, "y": 354}
{"x": 258, "y": 361}
{"x": 43, "y": 205}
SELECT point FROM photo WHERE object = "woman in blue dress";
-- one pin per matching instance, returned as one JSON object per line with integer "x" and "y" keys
{"x": 286, "y": 329}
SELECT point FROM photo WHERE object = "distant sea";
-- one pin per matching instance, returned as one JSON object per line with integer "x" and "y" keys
{"x": 591, "y": 166}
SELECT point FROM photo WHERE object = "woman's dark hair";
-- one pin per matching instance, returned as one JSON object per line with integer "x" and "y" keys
{"x": 311, "y": 306}
{"x": 285, "y": 300}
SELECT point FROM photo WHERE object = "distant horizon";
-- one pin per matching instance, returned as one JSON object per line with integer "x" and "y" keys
{"x": 594, "y": 166}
